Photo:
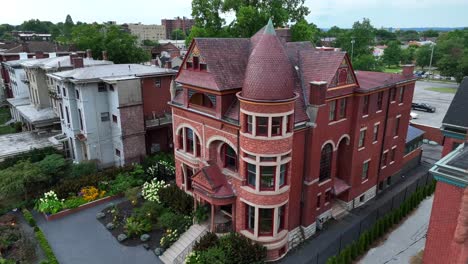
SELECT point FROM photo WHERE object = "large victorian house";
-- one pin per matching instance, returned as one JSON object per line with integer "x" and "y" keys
{"x": 278, "y": 137}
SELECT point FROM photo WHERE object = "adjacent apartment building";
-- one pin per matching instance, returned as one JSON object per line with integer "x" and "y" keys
{"x": 447, "y": 233}
{"x": 147, "y": 32}
{"x": 114, "y": 114}
{"x": 278, "y": 137}
{"x": 185, "y": 24}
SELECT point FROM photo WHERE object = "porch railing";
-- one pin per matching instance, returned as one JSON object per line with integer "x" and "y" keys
{"x": 221, "y": 228}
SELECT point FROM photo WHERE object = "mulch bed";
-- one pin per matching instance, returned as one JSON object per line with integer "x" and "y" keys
{"x": 125, "y": 209}
{"x": 18, "y": 245}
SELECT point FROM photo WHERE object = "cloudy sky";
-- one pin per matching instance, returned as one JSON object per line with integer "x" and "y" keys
{"x": 324, "y": 13}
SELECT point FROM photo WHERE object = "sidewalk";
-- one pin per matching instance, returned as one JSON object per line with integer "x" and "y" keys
{"x": 308, "y": 251}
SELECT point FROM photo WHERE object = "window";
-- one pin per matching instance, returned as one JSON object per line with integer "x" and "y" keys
{"x": 362, "y": 138}
{"x": 343, "y": 107}
{"x": 327, "y": 196}
{"x": 290, "y": 124}
{"x": 105, "y": 116}
{"x": 189, "y": 140}
{"x": 196, "y": 62}
{"x": 81, "y": 119}
{"x": 392, "y": 155}
{"x": 267, "y": 159}
{"x": 376, "y": 133}
{"x": 389, "y": 180}
{"x": 249, "y": 124}
{"x": 203, "y": 67}
{"x": 380, "y": 100}
{"x": 318, "y": 201}
{"x": 283, "y": 174}
{"x": 267, "y": 177}
{"x": 201, "y": 100}
{"x": 250, "y": 215}
{"x": 117, "y": 152}
{"x": 362, "y": 198}
{"x": 325, "y": 162}
{"x": 265, "y": 221}
{"x": 251, "y": 175}
{"x": 77, "y": 94}
{"x": 230, "y": 157}
{"x": 365, "y": 105}
{"x": 384, "y": 159}
{"x": 401, "y": 94}
{"x": 262, "y": 126}
{"x": 189, "y": 174}
{"x": 114, "y": 118}
{"x": 188, "y": 65}
{"x": 61, "y": 110}
{"x": 365, "y": 170}
{"x": 68, "y": 114}
{"x": 102, "y": 87}
{"x": 58, "y": 89}
{"x": 64, "y": 92}
{"x": 281, "y": 216}
{"x": 276, "y": 126}
{"x": 393, "y": 94}
{"x": 332, "y": 113}
{"x": 157, "y": 82}
{"x": 397, "y": 127}
{"x": 111, "y": 87}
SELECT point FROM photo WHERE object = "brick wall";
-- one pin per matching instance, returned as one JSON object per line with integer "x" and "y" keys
{"x": 432, "y": 133}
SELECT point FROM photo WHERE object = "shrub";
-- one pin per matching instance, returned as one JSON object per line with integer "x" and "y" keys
{"x": 201, "y": 213}
{"x": 91, "y": 193}
{"x": 132, "y": 194}
{"x": 83, "y": 168}
{"x": 18, "y": 126}
{"x": 170, "y": 220}
{"x": 7, "y": 261}
{"x": 354, "y": 250}
{"x": 150, "y": 210}
{"x": 73, "y": 202}
{"x": 137, "y": 226}
{"x": 176, "y": 199}
{"x": 213, "y": 255}
{"x": 29, "y": 218}
{"x": 151, "y": 190}
{"x": 34, "y": 155}
{"x": 332, "y": 260}
{"x": 169, "y": 238}
{"x": 239, "y": 249}
{"x": 45, "y": 246}
{"x": 207, "y": 241}
{"x": 49, "y": 204}
{"x": 122, "y": 183}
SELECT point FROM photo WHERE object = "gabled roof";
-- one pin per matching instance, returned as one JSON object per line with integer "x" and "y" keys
{"x": 369, "y": 80}
{"x": 320, "y": 65}
{"x": 457, "y": 113}
{"x": 213, "y": 182}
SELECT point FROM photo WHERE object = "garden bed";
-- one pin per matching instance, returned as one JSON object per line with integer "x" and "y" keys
{"x": 61, "y": 214}
{"x": 16, "y": 244}
{"x": 124, "y": 210}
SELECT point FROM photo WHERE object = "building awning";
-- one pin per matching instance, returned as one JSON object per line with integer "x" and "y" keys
{"x": 211, "y": 184}
{"x": 339, "y": 186}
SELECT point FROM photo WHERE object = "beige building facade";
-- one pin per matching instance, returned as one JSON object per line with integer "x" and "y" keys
{"x": 149, "y": 32}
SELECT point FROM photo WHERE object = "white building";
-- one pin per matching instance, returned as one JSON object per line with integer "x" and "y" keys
{"x": 101, "y": 112}
{"x": 147, "y": 32}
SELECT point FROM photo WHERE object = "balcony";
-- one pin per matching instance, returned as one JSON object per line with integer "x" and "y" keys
{"x": 158, "y": 121}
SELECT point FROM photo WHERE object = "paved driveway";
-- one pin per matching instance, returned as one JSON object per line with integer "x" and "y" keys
{"x": 80, "y": 238}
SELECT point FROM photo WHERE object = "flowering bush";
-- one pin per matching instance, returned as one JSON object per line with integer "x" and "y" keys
{"x": 91, "y": 193}
{"x": 49, "y": 204}
{"x": 151, "y": 189}
{"x": 169, "y": 238}
{"x": 161, "y": 165}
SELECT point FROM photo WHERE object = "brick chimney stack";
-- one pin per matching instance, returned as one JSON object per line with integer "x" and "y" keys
{"x": 89, "y": 54}
{"x": 408, "y": 70}
{"x": 104, "y": 55}
{"x": 78, "y": 63}
{"x": 318, "y": 92}
{"x": 72, "y": 56}
{"x": 39, "y": 54}
{"x": 168, "y": 64}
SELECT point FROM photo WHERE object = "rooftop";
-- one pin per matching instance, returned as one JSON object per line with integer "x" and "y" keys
{"x": 413, "y": 133}
{"x": 43, "y": 117}
{"x": 59, "y": 62}
{"x": 19, "y": 101}
{"x": 13, "y": 144}
{"x": 453, "y": 168}
{"x": 369, "y": 81}
{"x": 114, "y": 71}
{"x": 33, "y": 46}
{"x": 457, "y": 113}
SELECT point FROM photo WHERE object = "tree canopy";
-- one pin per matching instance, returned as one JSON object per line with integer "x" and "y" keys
{"x": 451, "y": 54}
{"x": 392, "y": 54}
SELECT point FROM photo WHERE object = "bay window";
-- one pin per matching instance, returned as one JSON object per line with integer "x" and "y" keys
{"x": 252, "y": 175}
{"x": 265, "y": 221}
{"x": 276, "y": 126}
{"x": 266, "y": 173}
{"x": 267, "y": 177}
{"x": 250, "y": 215}
{"x": 262, "y": 126}
{"x": 283, "y": 174}
{"x": 230, "y": 157}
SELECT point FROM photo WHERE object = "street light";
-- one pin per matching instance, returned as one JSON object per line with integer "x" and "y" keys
{"x": 432, "y": 54}
{"x": 352, "y": 49}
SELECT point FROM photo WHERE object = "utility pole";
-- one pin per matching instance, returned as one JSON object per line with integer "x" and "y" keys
{"x": 352, "y": 49}
{"x": 432, "y": 54}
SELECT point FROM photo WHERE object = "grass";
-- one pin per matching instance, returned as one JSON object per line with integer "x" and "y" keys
{"x": 7, "y": 130}
{"x": 442, "y": 89}
{"x": 41, "y": 238}
{"x": 4, "y": 115}
{"x": 392, "y": 70}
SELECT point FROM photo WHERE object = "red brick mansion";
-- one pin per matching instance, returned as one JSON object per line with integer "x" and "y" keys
{"x": 278, "y": 137}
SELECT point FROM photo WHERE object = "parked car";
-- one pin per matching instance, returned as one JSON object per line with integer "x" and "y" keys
{"x": 423, "y": 107}
{"x": 413, "y": 115}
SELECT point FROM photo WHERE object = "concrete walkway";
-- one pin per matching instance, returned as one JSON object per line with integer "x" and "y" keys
{"x": 405, "y": 241}
{"x": 80, "y": 238}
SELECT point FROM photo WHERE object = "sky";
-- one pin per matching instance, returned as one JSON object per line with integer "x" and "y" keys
{"x": 324, "y": 13}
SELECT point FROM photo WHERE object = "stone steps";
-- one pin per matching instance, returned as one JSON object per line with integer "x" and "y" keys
{"x": 181, "y": 248}
{"x": 338, "y": 210}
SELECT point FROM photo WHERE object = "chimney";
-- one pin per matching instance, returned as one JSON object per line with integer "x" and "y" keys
{"x": 89, "y": 54}
{"x": 104, "y": 55}
{"x": 72, "y": 56}
{"x": 408, "y": 70}
{"x": 25, "y": 47}
{"x": 78, "y": 63}
{"x": 168, "y": 64}
{"x": 39, "y": 54}
{"x": 318, "y": 91}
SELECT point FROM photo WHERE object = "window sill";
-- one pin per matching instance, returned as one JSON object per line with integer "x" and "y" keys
{"x": 327, "y": 203}
{"x": 364, "y": 116}
{"x": 362, "y": 148}
{"x": 375, "y": 142}
{"x": 392, "y": 102}
{"x": 318, "y": 208}
{"x": 378, "y": 112}
{"x": 337, "y": 121}
{"x": 324, "y": 182}
{"x": 364, "y": 181}
{"x": 187, "y": 155}
{"x": 281, "y": 234}
{"x": 383, "y": 167}
{"x": 250, "y": 189}
{"x": 400, "y": 104}
{"x": 391, "y": 162}
{"x": 395, "y": 137}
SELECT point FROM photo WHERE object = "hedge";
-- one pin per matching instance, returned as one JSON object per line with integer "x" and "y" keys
{"x": 45, "y": 246}
{"x": 28, "y": 217}
{"x": 382, "y": 226}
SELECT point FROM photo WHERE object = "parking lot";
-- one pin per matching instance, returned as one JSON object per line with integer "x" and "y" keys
{"x": 441, "y": 101}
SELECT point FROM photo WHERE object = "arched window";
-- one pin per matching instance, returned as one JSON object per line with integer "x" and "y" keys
{"x": 325, "y": 162}
{"x": 189, "y": 142}
{"x": 229, "y": 157}
{"x": 201, "y": 100}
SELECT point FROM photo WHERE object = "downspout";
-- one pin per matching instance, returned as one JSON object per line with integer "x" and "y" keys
{"x": 382, "y": 148}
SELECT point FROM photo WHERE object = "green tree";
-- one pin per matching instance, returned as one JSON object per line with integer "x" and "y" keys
{"x": 392, "y": 54}
{"x": 302, "y": 31}
{"x": 55, "y": 166}
{"x": 17, "y": 180}
{"x": 408, "y": 55}
{"x": 384, "y": 36}
{"x": 367, "y": 62}
{"x": 430, "y": 33}
{"x": 452, "y": 54}
{"x": 362, "y": 34}
{"x": 37, "y": 26}
{"x": 178, "y": 34}
{"x": 148, "y": 42}
{"x": 407, "y": 35}
{"x": 68, "y": 27}
{"x": 423, "y": 56}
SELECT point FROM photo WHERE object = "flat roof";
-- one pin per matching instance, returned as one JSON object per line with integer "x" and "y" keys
{"x": 14, "y": 144}
{"x": 34, "y": 115}
{"x": 19, "y": 101}
{"x": 413, "y": 133}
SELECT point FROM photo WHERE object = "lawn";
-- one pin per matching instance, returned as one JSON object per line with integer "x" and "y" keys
{"x": 392, "y": 70}
{"x": 4, "y": 115}
{"x": 7, "y": 130}
{"x": 442, "y": 89}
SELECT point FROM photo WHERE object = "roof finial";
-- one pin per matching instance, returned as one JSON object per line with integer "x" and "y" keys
{"x": 269, "y": 29}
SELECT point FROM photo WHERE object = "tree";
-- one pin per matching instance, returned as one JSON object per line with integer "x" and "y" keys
{"x": 363, "y": 35}
{"x": 178, "y": 34}
{"x": 423, "y": 56}
{"x": 17, "y": 180}
{"x": 452, "y": 54}
{"x": 55, "y": 166}
{"x": 384, "y": 36}
{"x": 430, "y": 33}
{"x": 367, "y": 62}
{"x": 121, "y": 46}
{"x": 68, "y": 27}
{"x": 148, "y": 42}
{"x": 302, "y": 31}
{"x": 392, "y": 54}
{"x": 408, "y": 55}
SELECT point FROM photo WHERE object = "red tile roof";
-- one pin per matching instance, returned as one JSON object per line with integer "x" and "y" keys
{"x": 320, "y": 65}
{"x": 212, "y": 180}
{"x": 373, "y": 80}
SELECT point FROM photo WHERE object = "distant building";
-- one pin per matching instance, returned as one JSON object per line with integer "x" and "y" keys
{"x": 114, "y": 114}
{"x": 170, "y": 49}
{"x": 184, "y": 23}
{"x": 328, "y": 41}
{"x": 379, "y": 51}
{"x": 447, "y": 240}
{"x": 180, "y": 44}
{"x": 146, "y": 32}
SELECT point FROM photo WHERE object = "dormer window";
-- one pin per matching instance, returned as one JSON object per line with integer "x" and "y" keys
{"x": 201, "y": 99}
{"x": 203, "y": 67}
{"x": 189, "y": 65}
{"x": 196, "y": 63}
